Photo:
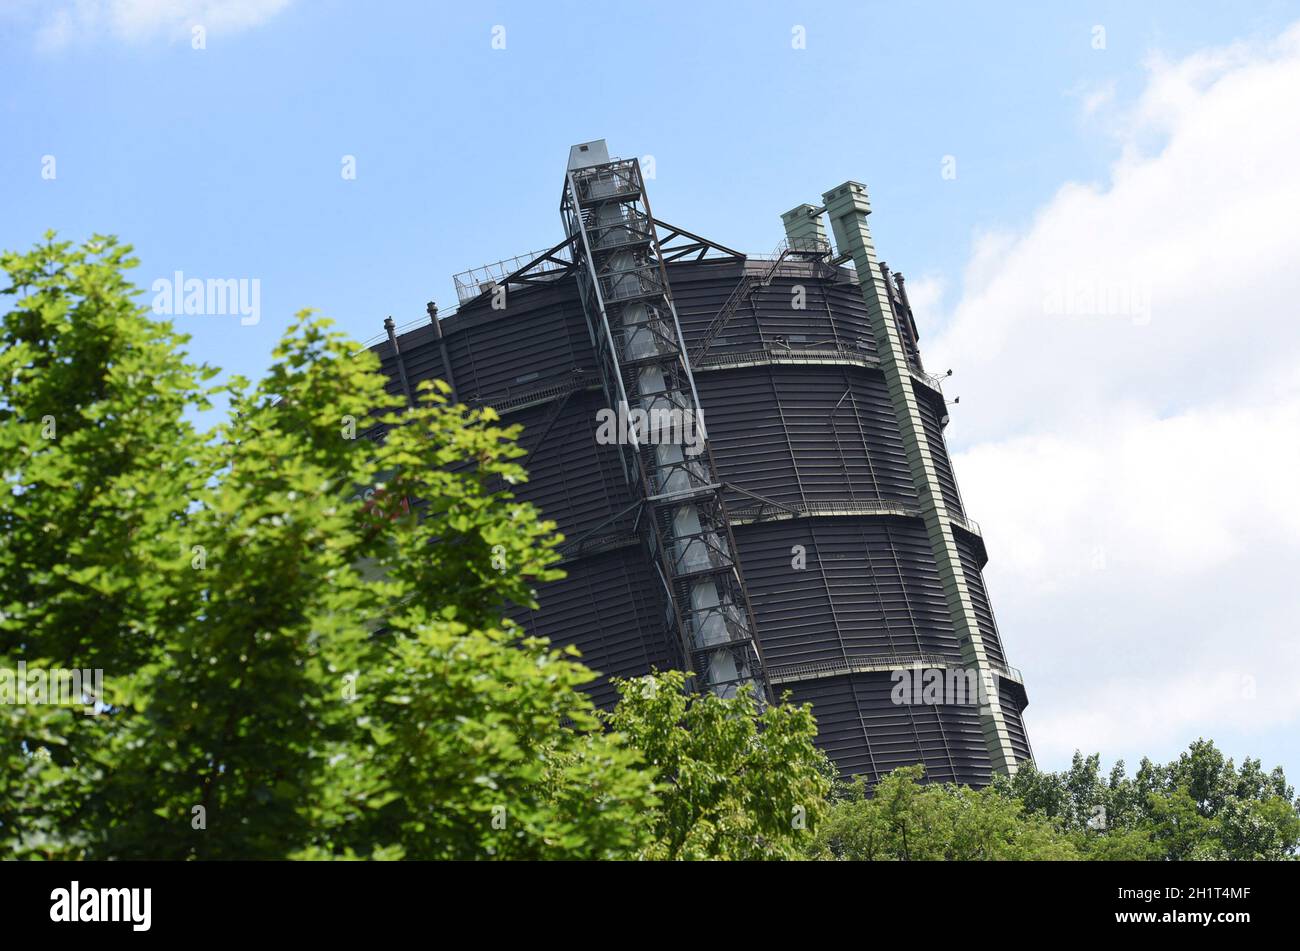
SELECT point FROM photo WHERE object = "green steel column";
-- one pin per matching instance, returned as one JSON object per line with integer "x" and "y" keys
{"x": 848, "y": 208}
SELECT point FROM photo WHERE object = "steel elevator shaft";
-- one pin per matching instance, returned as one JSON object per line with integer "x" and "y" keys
{"x": 646, "y": 376}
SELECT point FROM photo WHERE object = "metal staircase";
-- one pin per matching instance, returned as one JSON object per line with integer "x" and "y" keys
{"x": 644, "y": 366}
{"x": 749, "y": 285}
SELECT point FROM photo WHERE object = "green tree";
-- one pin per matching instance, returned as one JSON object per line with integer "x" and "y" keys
{"x": 224, "y": 729}
{"x": 98, "y": 460}
{"x": 903, "y": 820}
{"x": 1197, "y": 806}
{"x": 474, "y": 741}
{"x": 292, "y": 664}
{"x": 733, "y": 781}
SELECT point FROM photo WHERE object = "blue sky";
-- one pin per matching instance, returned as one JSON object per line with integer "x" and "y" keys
{"x": 225, "y": 162}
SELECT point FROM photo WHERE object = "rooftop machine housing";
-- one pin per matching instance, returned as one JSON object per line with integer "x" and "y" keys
{"x": 812, "y": 541}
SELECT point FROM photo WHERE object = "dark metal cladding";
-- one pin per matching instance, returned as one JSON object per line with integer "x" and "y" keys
{"x": 835, "y": 556}
{"x": 609, "y": 608}
{"x": 866, "y": 733}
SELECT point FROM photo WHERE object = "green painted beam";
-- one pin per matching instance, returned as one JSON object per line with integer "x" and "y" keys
{"x": 848, "y": 207}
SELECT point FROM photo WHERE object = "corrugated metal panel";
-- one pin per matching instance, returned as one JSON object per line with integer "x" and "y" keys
{"x": 833, "y": 313}
{"x": 540, "y": 336}
{"x": 980, "y": 599}
{"x": 869, "y": 587}
{"x": 420, "y": 354}
{"x": 608, "y": 607}
{"x": 1013, "y": 712}
{"x": 866, "y": 733}
{"x": 799, "y": 434}
{"x": 932, "y": 409}
{"x": 573, "y": 480}
{"x": 796, "y": 433}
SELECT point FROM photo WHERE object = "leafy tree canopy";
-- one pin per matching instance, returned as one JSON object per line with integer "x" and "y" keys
{"x": 301, "y": 632}
{"x": 1199, "y": 806}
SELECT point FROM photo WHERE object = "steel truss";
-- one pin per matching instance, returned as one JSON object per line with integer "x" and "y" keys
{"x": 636, "y": 335}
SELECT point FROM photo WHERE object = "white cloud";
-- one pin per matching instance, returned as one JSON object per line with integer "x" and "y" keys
{"x": 72, "y": 21}
{"x": 1129, "y": 368}
{"x": 1166, "y": 497}
{"x": 1094, "y": 97}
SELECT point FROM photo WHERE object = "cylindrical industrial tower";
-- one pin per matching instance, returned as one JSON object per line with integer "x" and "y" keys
{"x": 799, "y": 529}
